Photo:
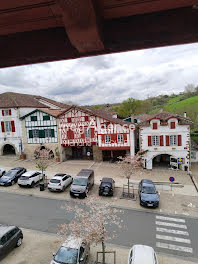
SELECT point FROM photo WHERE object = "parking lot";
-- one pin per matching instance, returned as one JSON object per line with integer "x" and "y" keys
{"x": 179, "y": 199}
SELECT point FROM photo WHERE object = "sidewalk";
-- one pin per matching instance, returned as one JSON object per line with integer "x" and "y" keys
{"x": 38, "y": 247}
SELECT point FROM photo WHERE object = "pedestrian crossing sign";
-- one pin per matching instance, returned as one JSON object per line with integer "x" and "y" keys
{"x": 180, "y": 160}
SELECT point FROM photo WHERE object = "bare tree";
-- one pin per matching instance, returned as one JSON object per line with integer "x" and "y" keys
{"x": 90, "y": 222}
{"x": 129, "y": 165}
{"x": 43, "y": 158}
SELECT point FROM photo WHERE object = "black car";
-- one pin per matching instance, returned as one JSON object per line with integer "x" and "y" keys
{"x": 148, "y": 194}
{"x": 11, "y": 177}
{"x": 10, "y": 237}
{"x": 107, "y": 187}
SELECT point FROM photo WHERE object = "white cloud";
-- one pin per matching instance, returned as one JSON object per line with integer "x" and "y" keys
{"x": 108, "y": 78}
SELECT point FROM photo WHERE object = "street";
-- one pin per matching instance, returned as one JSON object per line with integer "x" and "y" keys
{"x": 173, "y": 235}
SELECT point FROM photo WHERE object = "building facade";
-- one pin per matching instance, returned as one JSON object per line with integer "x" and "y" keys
{"x": 12, "y": 107}
{"x": 40, "y": 129}
{"x": 166, "y": 139}
{"x": 94, "y": 134}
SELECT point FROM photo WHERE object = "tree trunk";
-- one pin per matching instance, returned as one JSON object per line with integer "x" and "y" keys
{"x": 128, "y": 188}
{"x": 103, "y": 252}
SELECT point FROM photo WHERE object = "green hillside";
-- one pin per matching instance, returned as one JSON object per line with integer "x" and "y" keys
{"x": 177, "y": 105}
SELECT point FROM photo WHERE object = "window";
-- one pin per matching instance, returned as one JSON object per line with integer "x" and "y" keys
{"x": 173, "y": 140}
{"x": 193, "y": 154}
{"x": 107, "y": 139}
{"x": 35, "y": 133}
{"x": 3, "y": 240}
{"x": 87, "y": 132}
{"x": 86, "y": 118}
{"x": 8, "y": 127}
{"x": 120, "y": 138}
{"x": 155, "y": 140}
{"x": 48, "y": 133}
{"x": 6, "y": 112}
{"x": 46, "y": 118}
{"x": 33, "y": 118}
{"x": 155, "y": 125}
{"x": 172, "y": 125}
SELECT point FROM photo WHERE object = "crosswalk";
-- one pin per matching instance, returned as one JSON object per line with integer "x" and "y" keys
{"x": 172, "y": 234}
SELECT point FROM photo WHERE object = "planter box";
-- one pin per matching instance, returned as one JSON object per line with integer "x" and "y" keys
{"x": 22, "y": 157}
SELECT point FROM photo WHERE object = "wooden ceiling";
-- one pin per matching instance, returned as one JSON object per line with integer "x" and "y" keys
{"x": 33, "y": 31}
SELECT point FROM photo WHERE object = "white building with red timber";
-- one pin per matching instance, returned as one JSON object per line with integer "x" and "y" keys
{"x": 166, "y": 138}
{"x": 94, "y": 134}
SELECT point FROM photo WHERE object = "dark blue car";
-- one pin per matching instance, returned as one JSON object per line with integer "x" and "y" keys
{"x": 11, "y": 177}
{"x": 148, "y": 194}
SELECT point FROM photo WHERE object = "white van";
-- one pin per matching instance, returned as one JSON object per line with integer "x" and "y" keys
{"x": 141, "y": 254}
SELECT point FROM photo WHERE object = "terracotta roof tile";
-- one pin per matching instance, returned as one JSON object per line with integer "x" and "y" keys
{"x": 15, "y": 100}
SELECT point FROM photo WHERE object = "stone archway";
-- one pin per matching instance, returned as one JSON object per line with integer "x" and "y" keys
{"x": 161, "y": 161}
{"x": 8, "y": 149}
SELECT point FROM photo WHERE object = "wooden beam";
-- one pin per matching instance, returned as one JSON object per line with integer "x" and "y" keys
{"x": 82, "y": 25}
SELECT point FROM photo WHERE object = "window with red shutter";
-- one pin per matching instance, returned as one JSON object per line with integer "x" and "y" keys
{"x": 92, "y": 132}
{"x": 167, "y": 141}
{"x": 13, "y": 126}
{"x": 155, "y": 125}
{"x": 2, "y": 126}
{"x": 172, "y": 125}
{"x": 10, "y": 113}
{"x": 2, "y": 112}
{"x": 69, "y": 119}
{"x": 149, "y": 141}
{"x": 125, "y": 138}
{"x": 161, "y": 140}
{"x": 179, "y": 140}
{"x": 86, "y": 118}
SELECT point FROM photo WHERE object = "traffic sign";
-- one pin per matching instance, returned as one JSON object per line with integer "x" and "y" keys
{"x": 171, "y": 179}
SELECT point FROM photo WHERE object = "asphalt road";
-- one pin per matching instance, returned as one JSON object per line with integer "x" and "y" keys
{"x": 173, "y": 235}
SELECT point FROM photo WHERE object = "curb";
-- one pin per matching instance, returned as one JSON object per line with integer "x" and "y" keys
{"x": 194, "y": 182}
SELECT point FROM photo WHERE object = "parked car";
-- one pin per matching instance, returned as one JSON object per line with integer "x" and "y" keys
{"x": 148, "y": 194}
{"x": 107, "y": 187}
{"x": 140, "y": 254}
{"x": 82, "y": 183}
{"x": 59, "y": 182}
{"x": 30, "y": 178}
{"x": 2, "y": 172}
{"x": 10, "y": 237}
{"x": 11, "y": 176}
{"x": 74, "y": 251}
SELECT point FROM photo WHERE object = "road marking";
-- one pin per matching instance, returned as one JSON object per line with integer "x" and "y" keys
{"x": 175, "y": 239}
{"x": 179, "y": 220}
{"x": 170, "y": 224}
{"x": 174, "y": 247}
{"x": 172, "y": 231}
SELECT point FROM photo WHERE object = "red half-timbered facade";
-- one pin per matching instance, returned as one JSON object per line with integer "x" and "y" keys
{"x": 94, "y": 134}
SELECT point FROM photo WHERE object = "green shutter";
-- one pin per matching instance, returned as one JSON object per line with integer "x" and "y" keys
{"x": 33, "y": 118}
{"x": 30, "y": 134}
{"x": 52, "y": 133}
{"x": 41, "y": 133}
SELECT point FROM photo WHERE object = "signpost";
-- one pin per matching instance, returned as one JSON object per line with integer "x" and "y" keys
{"x": 171, "y": 179}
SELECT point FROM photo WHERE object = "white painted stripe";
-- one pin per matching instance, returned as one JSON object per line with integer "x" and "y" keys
{"x": 172, "y": 231}
{"x": 170, "y": 224}
{"x": 174, "y": 247}
{"x": 179, "y": 220}
{"x": 175, "y": 239}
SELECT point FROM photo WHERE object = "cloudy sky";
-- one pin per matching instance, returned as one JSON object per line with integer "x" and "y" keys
{"x": 109, "y": 78}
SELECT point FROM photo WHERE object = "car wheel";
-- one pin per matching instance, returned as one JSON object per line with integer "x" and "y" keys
{"x": 19, "y": 242}
{"x": 12, "y": 182}
{"x": 32, "y": 185}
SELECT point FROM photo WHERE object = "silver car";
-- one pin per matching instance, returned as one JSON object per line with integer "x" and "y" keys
{"x": 73, "y": 251}
{"x": 140, "y": 254}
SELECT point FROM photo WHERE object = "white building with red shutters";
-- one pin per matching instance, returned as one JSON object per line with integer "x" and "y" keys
{"x": 12, "y": 107}
{"x": 166, "y": 138}
{"x": 94, "y": 134}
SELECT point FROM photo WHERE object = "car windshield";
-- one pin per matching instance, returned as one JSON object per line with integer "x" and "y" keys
{"x": 80, "y": 181}
{"x": 24, "y": 178}
{"x": 106, "y": 184}
{"x": 54, "y": 181}
{"x": 66, "y": 255}
{"x": 149, "y": 190}
{"x": 10, "y": 173}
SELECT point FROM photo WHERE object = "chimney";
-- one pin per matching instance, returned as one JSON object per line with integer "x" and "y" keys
{"x": 185, "y": 114}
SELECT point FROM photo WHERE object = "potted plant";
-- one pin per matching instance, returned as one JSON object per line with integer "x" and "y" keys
{"x": 22, "y": 156}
